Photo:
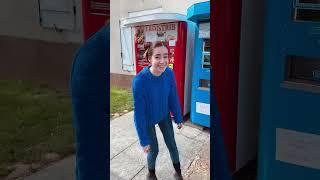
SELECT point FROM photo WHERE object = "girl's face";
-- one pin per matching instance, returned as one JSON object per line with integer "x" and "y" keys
{"x": 159, "y": 59}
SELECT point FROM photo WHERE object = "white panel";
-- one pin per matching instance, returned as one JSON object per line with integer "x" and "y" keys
{"x": 56, "y": 19}
{"x": 127, "y": 49}
{"x": 203, "y": 108}
{"x": 298, "y": 148}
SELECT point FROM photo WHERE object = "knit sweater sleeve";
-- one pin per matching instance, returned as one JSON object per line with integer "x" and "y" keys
{"x": 174, "y": 100}
{"x": 139, "y": 104}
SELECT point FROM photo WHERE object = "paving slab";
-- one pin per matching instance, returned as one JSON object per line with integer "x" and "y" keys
{"x": 125, "y": 166}
{"x": 130, "y": 162}
{"x": 115, "y": 176}
{"x": 122, "y": 134}
{"x": 165, "y": 169}
{"x": 189, "y": 132}
{"x": 203, "y": 137}
{"x": 62, "y": 170}
{"x": 187, "y": 147}
{"x": 200, "y": 167}
{"x": 142, "y": 174}
{"x": 163, "y": 172}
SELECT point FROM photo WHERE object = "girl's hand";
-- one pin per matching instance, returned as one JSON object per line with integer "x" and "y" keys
{"x": 179, "y": 126}
{"x": 146, "y": 148}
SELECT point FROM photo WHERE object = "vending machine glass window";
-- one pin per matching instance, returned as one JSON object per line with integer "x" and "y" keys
{"x": 308, "y": 1}
{"x": 307, "y": 10}
{"x": 206, "y": 54}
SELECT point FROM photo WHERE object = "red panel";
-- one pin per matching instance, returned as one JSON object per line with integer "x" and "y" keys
{"x": 95, "y": 15}
{"x": 138, "y": 39}
{"x": 226, "y": 17}
{"x": 179, "y": 57}
{"x": 180, "y": 60}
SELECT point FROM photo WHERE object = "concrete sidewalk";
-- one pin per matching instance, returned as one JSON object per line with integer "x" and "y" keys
{"x": 128, "y": 162}
{"x": 62, "y": 170}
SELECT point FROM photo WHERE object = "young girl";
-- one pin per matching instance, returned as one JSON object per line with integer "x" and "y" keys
{"x": 155, "y": 96}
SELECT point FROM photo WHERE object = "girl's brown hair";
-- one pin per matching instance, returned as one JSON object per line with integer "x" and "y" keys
{"x": 151, "y": 46}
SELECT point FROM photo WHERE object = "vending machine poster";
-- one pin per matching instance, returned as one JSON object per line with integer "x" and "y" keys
{"x": 144, "y": 35}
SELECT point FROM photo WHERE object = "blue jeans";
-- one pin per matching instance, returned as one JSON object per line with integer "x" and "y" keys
{"x": 168, "y": 136}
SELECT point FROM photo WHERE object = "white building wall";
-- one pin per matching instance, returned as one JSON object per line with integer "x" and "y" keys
{"x": 179, "y": 6}
{"x": 20, "y": 18}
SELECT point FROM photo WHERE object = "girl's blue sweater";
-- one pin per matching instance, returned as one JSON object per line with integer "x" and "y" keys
{"x": 154, "y": 98}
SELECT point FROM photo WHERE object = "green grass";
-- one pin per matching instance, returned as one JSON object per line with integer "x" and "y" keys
{"x": 34, "y": 120}
{"x": 120, "y": 100}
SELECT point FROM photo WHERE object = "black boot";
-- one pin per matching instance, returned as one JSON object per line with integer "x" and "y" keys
{"x": 151, "y": 175}
{"x": 178, "y": 174}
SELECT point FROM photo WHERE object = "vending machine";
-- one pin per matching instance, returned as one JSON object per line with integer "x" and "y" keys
{"x": 95, "y": 15}
{"x": 289, "y": 141}
{"x": 200, "y": 94}
{"x": 175, "y": 36}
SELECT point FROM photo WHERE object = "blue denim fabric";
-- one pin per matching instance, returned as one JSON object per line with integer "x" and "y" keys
{"x": 168, "y": 136}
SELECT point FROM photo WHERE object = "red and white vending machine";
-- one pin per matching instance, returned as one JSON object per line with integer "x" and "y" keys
{"x": 175, "y": 36}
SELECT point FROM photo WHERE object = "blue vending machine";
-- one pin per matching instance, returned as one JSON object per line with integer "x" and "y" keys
{"x": 200, "y": 94}
{"x": 289, "y": 142}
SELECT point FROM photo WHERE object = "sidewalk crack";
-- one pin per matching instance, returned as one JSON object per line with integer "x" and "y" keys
{"x": 137, "y": 173}
{"x": 124, "y": 150}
